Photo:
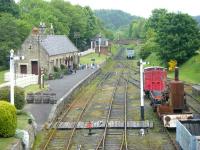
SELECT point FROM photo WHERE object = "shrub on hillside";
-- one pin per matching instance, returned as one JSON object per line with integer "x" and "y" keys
{"x": 8, "y": 119}
{"x": 19, "y": 96}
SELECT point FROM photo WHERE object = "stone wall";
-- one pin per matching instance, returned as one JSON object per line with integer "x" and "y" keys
{"x": 57, "y": 108}
{"x": 196, "y": 90}
{"x": 32, "y": 132}
{"x": 30, "y": 50}
{"x": 104, "y": 50}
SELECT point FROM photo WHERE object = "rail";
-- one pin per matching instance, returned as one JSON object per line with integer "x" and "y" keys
{"x": 56, "y": 122}
{"x": 102, "y": 141}
{"x": 123, "y": 145}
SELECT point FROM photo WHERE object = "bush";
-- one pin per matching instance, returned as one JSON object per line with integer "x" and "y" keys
{"x": 5, "y": 93}
{"x": 62, "y": 67}
{"x": 19, "y": 96}
{"x": 46, "y": 77}
{"x": 8, "y": 119}
{"x": 56, "y": 69}
{"x": 57, "y": 75}
{"x": 144, "y": 54}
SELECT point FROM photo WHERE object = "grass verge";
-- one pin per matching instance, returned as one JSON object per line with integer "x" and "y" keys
{"x": 38, "y": 140}
{"x": 87, "y": 58}
{"x": 22, "y": 123}
{"x": 2, "y": 76}
{"x": 34, "y": 88}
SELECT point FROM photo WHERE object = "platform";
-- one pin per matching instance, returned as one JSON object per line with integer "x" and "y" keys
{"x": 111, "y": 124}
{"x": 196, "y": 90}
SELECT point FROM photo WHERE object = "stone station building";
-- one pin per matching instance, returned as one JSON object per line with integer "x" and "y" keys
{"x": 46, "y": 51}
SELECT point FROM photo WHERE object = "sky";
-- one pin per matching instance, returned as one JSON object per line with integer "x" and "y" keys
{"x": 143, "y": 8}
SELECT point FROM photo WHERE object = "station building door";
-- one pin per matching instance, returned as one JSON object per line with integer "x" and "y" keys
{"x": 34, "y": 67}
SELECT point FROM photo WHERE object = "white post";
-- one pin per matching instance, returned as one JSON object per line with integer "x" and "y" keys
{"x": 141, "y": 89}
{"x": 92, "y": 45}
{"x": 99, "y": 44}
{"x": 12, "y": 76}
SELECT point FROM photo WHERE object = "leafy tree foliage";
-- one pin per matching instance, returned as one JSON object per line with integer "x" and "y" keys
{"x": 137, "y": 29}
{"x": 9, "y": 6}
{"x": 9, "y": 36}
{"x": 150, "y": 45}
{"x": 177, "y": 35}
{"x": 67, "y": 19}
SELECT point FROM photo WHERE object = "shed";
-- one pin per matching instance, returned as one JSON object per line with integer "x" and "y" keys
{"x": 188, "y": 134}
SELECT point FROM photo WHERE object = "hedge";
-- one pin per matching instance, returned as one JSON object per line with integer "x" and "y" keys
{"x": 19, "y": 96}
{"x": 8, "y": 119}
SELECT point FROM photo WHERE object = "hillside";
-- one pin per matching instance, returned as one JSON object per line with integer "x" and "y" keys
{"x": 114, "y": 19}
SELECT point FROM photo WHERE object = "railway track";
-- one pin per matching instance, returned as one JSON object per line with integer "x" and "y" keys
{"x": 96, "y": 107}
{"x": 115, "y": 138}
{"x": 136, "y": 83}
{"x": 59, "y": 140}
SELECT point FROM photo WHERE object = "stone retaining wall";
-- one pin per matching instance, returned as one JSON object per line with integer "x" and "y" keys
{"x": 57, "y": 108}
{"x": 18, "y": 145}
{"x": 196, "y": 90}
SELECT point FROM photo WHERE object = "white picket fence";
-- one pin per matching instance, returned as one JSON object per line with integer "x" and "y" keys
{"x": 86, "y": 52}
{"x": 21, "y": 80}
{"x": 17, "y": 76}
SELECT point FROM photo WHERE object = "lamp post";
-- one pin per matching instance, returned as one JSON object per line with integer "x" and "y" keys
{"x": 99, "y": 44}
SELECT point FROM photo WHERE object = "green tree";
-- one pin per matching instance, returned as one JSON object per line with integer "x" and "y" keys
{"x": 137, "y": 29}
{"x": 66, "y": 18}
{"x": 150, "y": 45}
{"x": 9, "y": 38}
{"x": 9, "y": 6}
{"x": 177, "y": 35}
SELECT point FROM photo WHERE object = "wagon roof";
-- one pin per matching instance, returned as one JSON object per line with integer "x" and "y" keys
{"x": 154, "y": 67}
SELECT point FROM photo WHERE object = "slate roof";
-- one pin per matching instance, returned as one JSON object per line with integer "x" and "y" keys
{"x": 58, "y": 44}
